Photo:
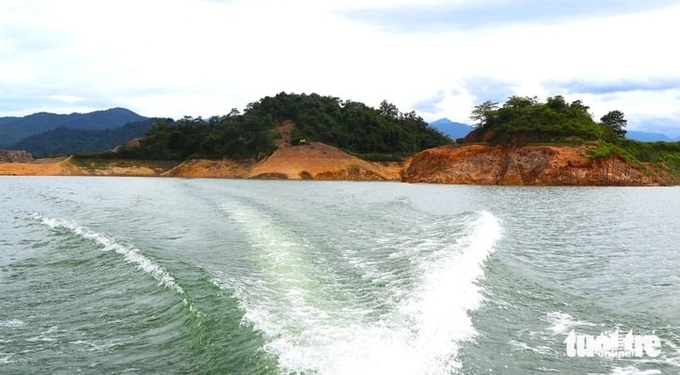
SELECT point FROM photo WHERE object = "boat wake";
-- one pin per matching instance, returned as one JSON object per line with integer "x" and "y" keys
{"x": 309, "y": 329}
{"x": 130, "y": 253}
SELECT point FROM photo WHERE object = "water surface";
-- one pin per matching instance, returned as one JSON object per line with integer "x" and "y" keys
{"x": 160, "y": 275}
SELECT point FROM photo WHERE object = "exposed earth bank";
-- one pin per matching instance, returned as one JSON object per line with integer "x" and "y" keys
{"x": 318, "y": 161}
{"x": 69, "y": 166}
{"x": 472, "y": 164}
{"x": 529, "y": 165}
{"x": 315, "y": 161}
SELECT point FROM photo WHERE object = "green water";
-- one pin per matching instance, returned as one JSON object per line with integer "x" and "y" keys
{"x": 174, "y": 276}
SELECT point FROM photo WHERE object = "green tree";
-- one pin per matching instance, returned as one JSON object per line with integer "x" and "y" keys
{"x": 484, "y": 114}
{"x": 578, "y": 106}
{"x": 616, "y": 121}
{"x": 388, "y": 109}
{"x": 522, "y": 102}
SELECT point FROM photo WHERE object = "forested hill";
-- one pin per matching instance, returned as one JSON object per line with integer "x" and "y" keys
{"x": 528, "y": 120}
{"x": 525, "y": 120}
{"x": 14, "y": 129}
{"x": 382, "y": 133}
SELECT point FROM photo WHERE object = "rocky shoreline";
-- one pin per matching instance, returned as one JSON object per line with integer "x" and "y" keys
{"x": 530, "y": 165}
{"x": 15, "y": 156}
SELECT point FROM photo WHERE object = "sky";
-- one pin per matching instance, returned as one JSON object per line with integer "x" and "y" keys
{"x": 171, "y": 58}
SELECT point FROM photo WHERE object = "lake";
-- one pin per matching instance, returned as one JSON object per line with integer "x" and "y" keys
{"x": 104, "y": 275}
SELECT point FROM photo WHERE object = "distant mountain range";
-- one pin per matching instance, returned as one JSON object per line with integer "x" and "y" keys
{"x": 48, "y": 134}
{"x": 65, "y": 141}
{"x": 650, "y": 137}
{"x": 457, "y": 130}
{"x": 453, "y": 130}
{"x": 14, "y": 129}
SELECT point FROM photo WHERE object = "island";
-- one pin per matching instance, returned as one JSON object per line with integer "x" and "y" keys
{"x": 528, "y": 142}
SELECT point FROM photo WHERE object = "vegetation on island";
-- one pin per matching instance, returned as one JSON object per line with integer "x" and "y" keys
{"x": 526, "y": 120}
{"x": 663, "y": 154}
{"x": 382, "y": 133}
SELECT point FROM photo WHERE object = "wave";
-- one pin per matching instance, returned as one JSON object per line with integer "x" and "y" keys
{"x": 129, "y": 252}
{"x": 541, "y": 350}
{"x": 283, "y": 266}
{"x": 632, "y": 370}
{"x": 448, "y": 291}
{"x": 310, "y": 331}
{"x": 561, "y": 323}
{"x": 14, "y": 323}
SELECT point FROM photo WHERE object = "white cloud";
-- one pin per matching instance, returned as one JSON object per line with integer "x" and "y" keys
{"x": 201, "y": 57}
{"x": 66, "y": 98}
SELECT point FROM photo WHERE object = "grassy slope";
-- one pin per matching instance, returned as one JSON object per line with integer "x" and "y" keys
{"x": 664, "y": 155}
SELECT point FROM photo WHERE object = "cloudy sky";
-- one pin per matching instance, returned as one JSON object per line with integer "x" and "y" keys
{"x": 173, "y": 58}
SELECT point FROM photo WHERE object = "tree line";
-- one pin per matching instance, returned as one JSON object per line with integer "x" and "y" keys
{"x": 382, "y": 133}
{"x": 554, "y": 120}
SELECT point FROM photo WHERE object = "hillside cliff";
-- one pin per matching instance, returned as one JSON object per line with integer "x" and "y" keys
{"x": 315, "y": 161}
{"x": 529, "y": 165}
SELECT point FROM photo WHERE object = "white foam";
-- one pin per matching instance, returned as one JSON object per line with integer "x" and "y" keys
{"x": 14, "y": 323}
{"x": 546, "y": 369}
{"x": 421, "y": 334}
{"x": 632, "y": 370}
{"x": 561, "y": 323}
{"x": 448, "y": 291}
{"x": 41, "y": 339}
{"x": 543, "y": 350}
{"x": 92, "y": 346}
{"x": 129, "y": 253}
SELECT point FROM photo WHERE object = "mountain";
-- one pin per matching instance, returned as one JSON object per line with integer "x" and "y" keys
{"x": 14, "y": 129}
{"x": 648, "y": 136}
{"x": 452, "y": 129}
{"x": 65, "y": 141}
{"x": 8, "y": 120}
